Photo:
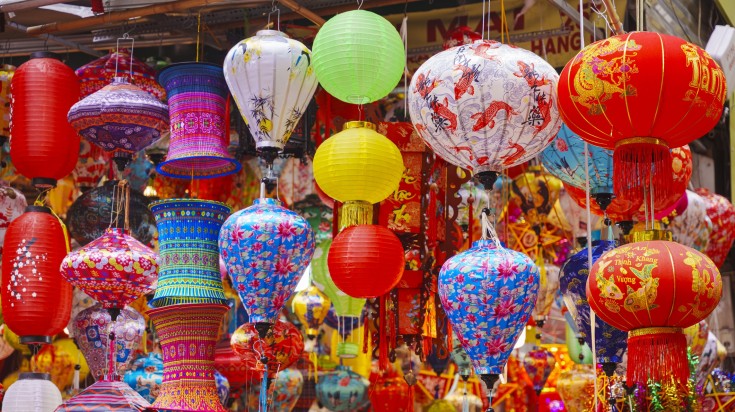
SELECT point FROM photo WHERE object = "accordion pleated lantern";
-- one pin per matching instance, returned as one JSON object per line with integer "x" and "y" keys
{"x": 358, "y": 56}
{"x": 274, "y": 103}
{"x": 188, "y": 335}
{"x": 366, "y": 261}
{"x": 43, "y": 146}
{"x": 32, "y": 392}
{"x": 188, "y": 230}
{"x": 120, "y": 118}
{"x": 114, "y": 269}
{"x": 36, "y": 300}
{"x": 198, "y": 101}
{"x": 98, "y": 73}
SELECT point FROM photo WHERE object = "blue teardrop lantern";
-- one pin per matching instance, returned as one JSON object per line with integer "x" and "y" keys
{"x": 488, "y": 293}
{"x": 564, "y": 158}
{"x": 610, "y": 343}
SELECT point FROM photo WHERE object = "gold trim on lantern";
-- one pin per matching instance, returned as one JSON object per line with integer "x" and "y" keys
{"x": 652, "y": 234}
{"x": 355, "y": 212}
{"x": 641, "y": 140}
{"x": 355, "y": 124}
{"x": 662, "y": 330}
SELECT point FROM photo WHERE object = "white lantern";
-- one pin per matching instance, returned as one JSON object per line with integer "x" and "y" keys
{"x": 32, "y": 392}
{"x": 271, "y": 78}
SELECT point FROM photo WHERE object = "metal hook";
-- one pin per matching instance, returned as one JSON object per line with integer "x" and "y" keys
{"x": 125, "y": 37}
{"x": 359, "y": 4}
{"x": 277, "y": 10}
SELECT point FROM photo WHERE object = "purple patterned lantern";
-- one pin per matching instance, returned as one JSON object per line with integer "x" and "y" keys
{"x": 120, "y": 118}
{"x": 266, "y": 249}
{"x": 488, "y": 293}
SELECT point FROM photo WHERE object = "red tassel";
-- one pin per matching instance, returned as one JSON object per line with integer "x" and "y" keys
{"x": 450, "y": 339}
{"x": 383, "y": 343}
{"x": 633, "y": 164}
{"x": 365, "y": 336}
{"x": 431, "y": 231}
{"x": 410, "y": 398}
{"x": 659, "y": 354}
{"x": 98, "y": 7}
{"x": 470, "y": 225}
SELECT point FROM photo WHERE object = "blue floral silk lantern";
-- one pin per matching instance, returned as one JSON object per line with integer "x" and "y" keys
{"x": 342, "y": 390}
{"x": 488, "y": 293}
{"x": 610, "y": 343}
{"x": 564, "y": 158}
{"x": 223, "y": 387}
{"x": 146, "y": 376}
{"x": 188, "y": 230}
{"x": 265, "y": 248}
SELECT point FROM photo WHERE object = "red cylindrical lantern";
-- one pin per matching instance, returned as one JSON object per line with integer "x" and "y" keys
{"x": 366, "y": 261}
{"x": 640, "y": 94}
{"x": 390, "y": 393}
{"x": 653, "y": 289}
{"x": 43, "y": 146}
{"x": 36, "y": 300}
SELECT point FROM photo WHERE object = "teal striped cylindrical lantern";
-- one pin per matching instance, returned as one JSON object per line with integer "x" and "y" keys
{"x": 188, "y": 230}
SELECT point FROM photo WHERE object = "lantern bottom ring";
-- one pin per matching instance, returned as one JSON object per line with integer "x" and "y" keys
{"x": 35, "y": 340}
{"x": 658, "y": 330}
{"x": 652, "y": 234}
{"x": 43, "y": 182}
{"x": 641, "y": 140}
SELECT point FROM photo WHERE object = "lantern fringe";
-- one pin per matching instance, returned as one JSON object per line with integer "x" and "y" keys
{"x": 657, "y": 354}
{"x": 410, "y": 398}
{"x": 365, "y": 336}
{"x": 383, "y": 340}
{"x": 642, "y": 163}
{"x": 355, "y": 212}
{"x": 450, "y": 339}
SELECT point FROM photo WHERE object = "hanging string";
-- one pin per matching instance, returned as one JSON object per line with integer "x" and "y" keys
{"x": 404, "y": 37}
{"x": 125, "y": 37}
{"x": 589, "y": 249}
{"x": 482, "y": 27}
{"x": 199, "y": 32}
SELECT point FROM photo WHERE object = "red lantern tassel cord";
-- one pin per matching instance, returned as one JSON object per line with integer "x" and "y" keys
{"x": 634, "y": 160}
{"x": 383, "y": 339}
{"x": 659, "y": 354}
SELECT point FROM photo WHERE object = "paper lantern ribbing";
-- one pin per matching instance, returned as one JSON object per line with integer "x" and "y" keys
{"x": 33, "y": 390}
{"x": 358, "y": 56}
{"x": 565, "y": 158}
{"x": 266, "y": 249}
{"x": 311, "y": 307}
{"x": 91, "y": 329}
{"x": 188, "y": 334}
{"x": 366, "y": 261}
{"x": 613, "y": 95}
{"x": 610, "y": 342}
{"x": 722, "y": 214}
{"x": 271, "y": 78}
{"x": 188, "y": 230}
{"x": 342, "y": 390}
{"x": 36, "y": 300}
{"x": 114, "y": 269}
{"x": 12, "y": 205}
{"x": 342, "y": 303}
{"x": 198, "y": 102}
{"x": 653, "y": 289}
{"x": 98, "y": 73}
{"x": 43, "y": 145}
{"x": 485, "y": 106}
{"x": 281, "y": 346}
{"x": 488, "y": 293}
{"x": 120, "y": 118}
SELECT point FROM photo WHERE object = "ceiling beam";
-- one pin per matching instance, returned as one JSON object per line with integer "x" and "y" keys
{"x": 50, "y": 37}
{"x": 7, "y": 7}
{"x": 306, "y": 13}
{"x": 573, "y": 14}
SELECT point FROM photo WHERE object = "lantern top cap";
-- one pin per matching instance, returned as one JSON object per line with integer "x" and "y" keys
{"x": 45, "y": 55}
{"x": 168, "y": 68}
{"x": 485, "y": 243}
{"x": 276, "y": 33}
{"x": 359, "y": 124}
{"x": 38, "y": 209}
{"x": 267, "y": 201}
{"x": 34, "y": 376}
{"x": 652, "y": 234}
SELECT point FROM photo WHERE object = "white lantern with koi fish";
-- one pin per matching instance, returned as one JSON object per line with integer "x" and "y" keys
{"x": 485, "y": 106}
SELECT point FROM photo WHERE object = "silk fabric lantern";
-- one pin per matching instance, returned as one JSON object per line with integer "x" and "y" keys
{"x": 310, "y": 306}
{"x": 459, "y": 36}
{"x": 199, "y": 115}
{"x": 232, "y": 367}
{"x": 120, "y": 118}
{"x": 91, "y": 166}
{"x": 539, "y": 362}
{"x": 281, "y": 346}
{"x": 536, "y": 193}
{"x": 366, "y": 261}
{"x": 640, "y": 278}
{"x": 99, "y": 73}
{"x": 358, "y": 56}
{"x": 106, "y": 396}
{"x": 577, "y": 388}
{"x": 36, "y": 300}
{"x": 273, "y": 104}
{"x": 43, "y": 145}
{"x": 342, "y": 390}
{"x": 459, "y": 104}
{"x": 488, "y": 293}
{"x": 283, "y": 393}
{"x": 188, "y": 334}
{"x": 146, "y": 375}
{"x": 619, "y": 210}
{"x": 576, "y": 216}
{"x": 12, "y": 205}
{"x": 114, "y": 269}
{"x": 565, "y": 159}
{"x": 579, "y": 352}
{"x": 32, "y": 392}
{"x": 613, "y": 95}
{"x": 548, "y": 288}
{"x": 189, "y": 268}
{"x": 693, "y": 227}
{"x": 722, "y": 214}
{"x": 6, "y": 76}
{"x": 266, "y": 249}
{"x": 358, "y": 167}
{"x": 92, "y": 329}
{"x": 610, "y": 342}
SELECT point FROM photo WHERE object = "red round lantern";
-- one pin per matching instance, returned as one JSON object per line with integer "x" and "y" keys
{"x": 36, "y": 300}
{"x": 459, "y": 36}
{"x": 653, "y": 289}
{"x": 640, "y": 94}
{"x": 281, "y": 347}
{"x": 722, "y": 214}
{"x": 366, "y": 261}
{"x": 43, "y": 146}
{"x": 229, "y": 364}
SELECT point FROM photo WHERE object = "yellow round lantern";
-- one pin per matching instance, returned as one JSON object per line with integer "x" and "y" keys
{"x": 311, "y": 307}
{"x": 358, "y": 166}
{"x": 14, "y": 341}
{"x": 68, "y": 346}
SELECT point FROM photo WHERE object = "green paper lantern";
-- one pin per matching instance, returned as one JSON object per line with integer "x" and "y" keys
{"x": 358, "y": 57}
{"x": 575, "y": 349}
{"x": 344, "y": 305}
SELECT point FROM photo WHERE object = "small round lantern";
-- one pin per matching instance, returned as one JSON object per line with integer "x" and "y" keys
{"x": 32, "y": 390}
{"x": 366, "y": 261}
{"x": 653, "y": 288}
{"x": 358, "y": 56}
{"x": 43, "y": 145}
